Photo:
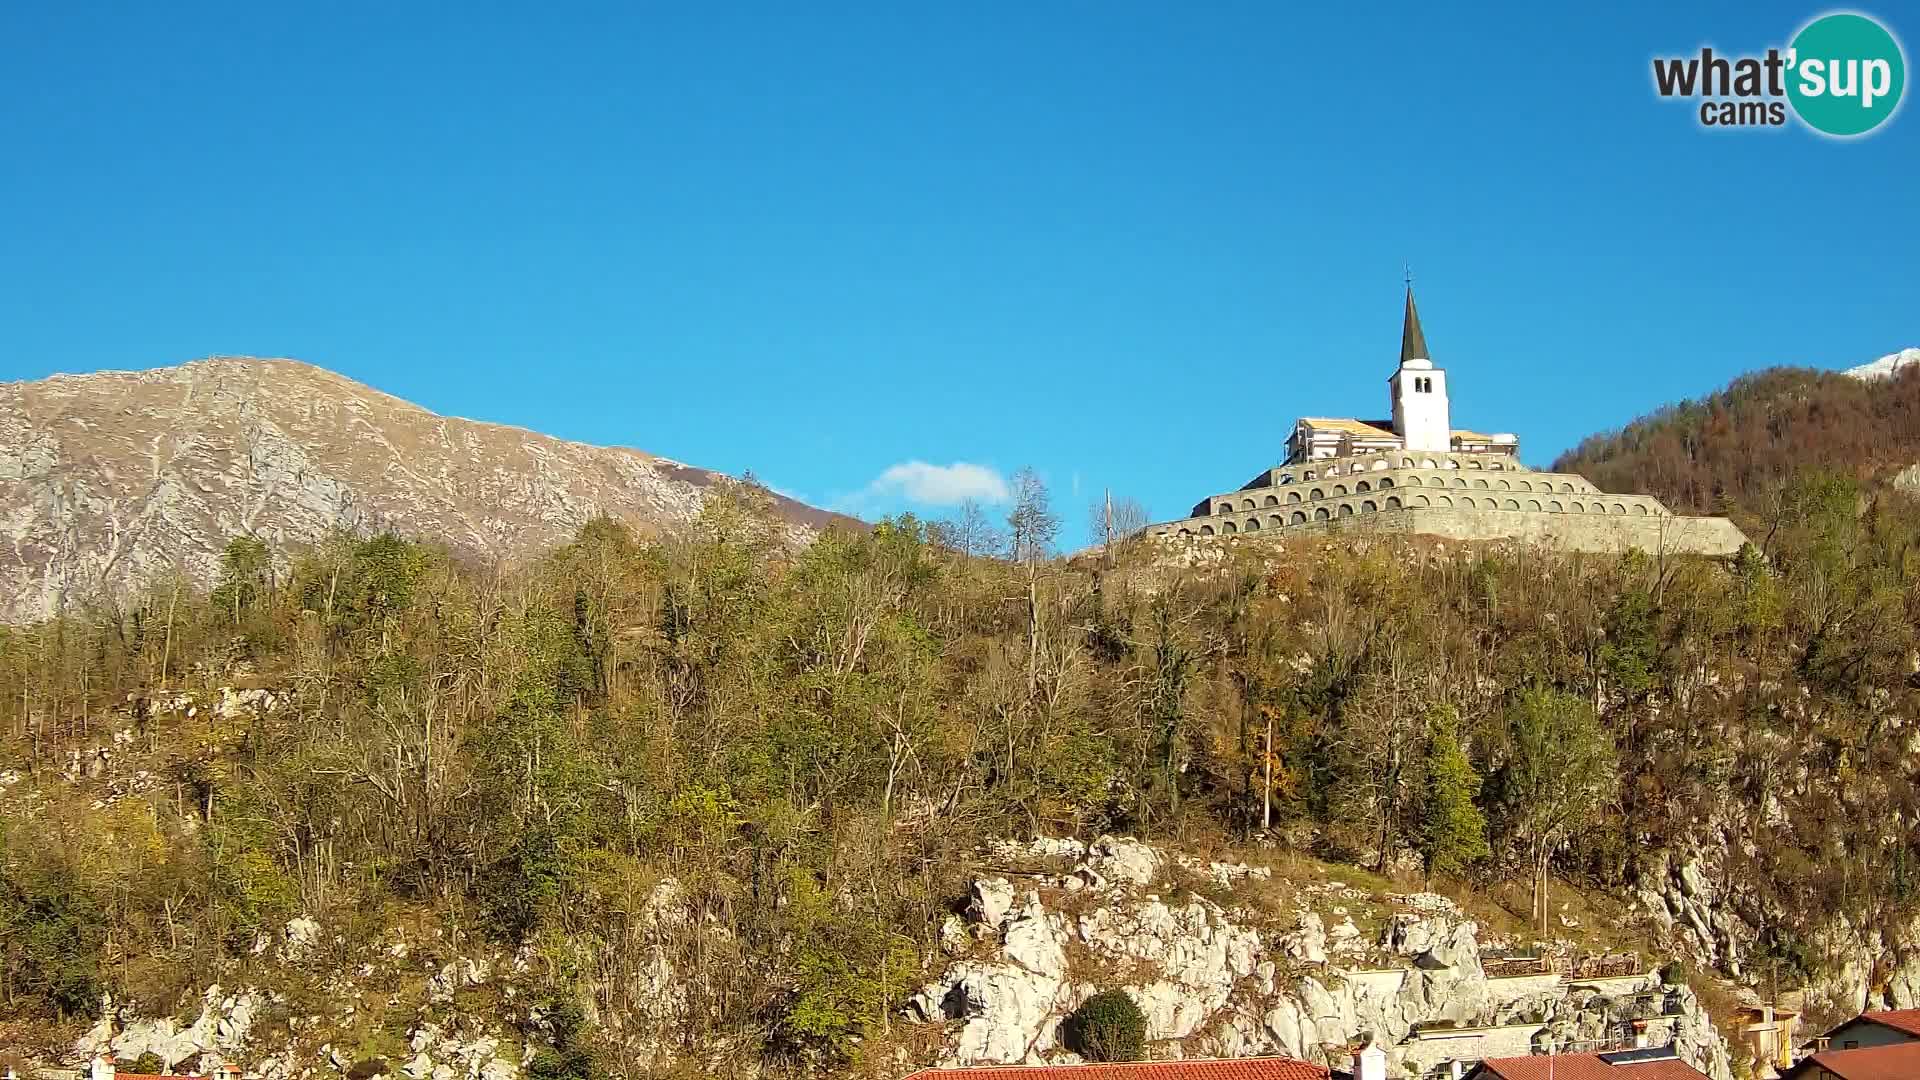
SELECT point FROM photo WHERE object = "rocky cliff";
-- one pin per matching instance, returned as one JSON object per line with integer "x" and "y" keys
{"x": 112, "y": 479}
{"x": 1215, "y": 968}
{"x": 1217, "y": 976}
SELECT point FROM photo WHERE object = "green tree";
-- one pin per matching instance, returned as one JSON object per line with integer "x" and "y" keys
{"x": 1631, "y": 655}
{"x": 848, "y": 967}
{"x": 1561, "y": 776}
{"x": 245, "y": 568}
{"x": 1455, "y": 829}
{"x": 52, "y": 931}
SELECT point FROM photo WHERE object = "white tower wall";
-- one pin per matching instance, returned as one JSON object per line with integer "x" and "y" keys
{"x": 1420, "y": 413}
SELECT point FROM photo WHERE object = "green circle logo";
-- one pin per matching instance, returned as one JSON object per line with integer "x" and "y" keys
{"x": 1845, "y": 74}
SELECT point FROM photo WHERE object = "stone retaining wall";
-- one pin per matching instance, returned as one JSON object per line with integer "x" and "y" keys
{"x": 1654, "y": 535}
{"x": 1568, "y": 531}
{"x": 1459, "y": 496}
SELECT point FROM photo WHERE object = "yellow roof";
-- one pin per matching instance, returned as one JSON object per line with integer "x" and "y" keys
{"x": 1471, "y": 436}
{"x": 1350, "y": 426}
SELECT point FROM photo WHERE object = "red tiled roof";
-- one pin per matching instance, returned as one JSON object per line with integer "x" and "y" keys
{"x": 1272, "y": 1068}
{"x": 1585, "y": 1067}
{"x": 1907, "y": 1020}
{"x": 1898, "y": 1061}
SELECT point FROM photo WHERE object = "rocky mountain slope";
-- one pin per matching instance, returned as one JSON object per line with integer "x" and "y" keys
{"x": 111, "y": 479}
{"x": 1886, "y": 365}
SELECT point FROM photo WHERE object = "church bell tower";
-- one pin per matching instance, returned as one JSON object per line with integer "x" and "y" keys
{"x": 1419, "y": 390}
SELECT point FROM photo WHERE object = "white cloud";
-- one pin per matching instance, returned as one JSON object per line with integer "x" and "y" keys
{"x": 938, "y": 485}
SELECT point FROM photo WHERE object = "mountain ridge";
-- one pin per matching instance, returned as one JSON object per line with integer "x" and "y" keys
{"x": 1720, "y": 452}
{"x": 116, "y": 477}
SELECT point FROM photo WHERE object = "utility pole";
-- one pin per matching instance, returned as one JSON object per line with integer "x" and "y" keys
{"x": 1266, "y": 791}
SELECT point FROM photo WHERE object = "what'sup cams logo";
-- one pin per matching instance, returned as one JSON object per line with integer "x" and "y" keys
{"x": 1842, "y": 75}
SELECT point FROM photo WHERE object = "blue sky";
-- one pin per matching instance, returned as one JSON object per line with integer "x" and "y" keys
{"x": 1123, "y": 243}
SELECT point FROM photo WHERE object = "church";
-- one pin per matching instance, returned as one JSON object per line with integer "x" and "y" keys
{"x": 1416, "y": 473}
{"x": 1420, "y": 416}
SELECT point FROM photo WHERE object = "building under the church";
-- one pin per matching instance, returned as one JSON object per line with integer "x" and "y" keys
{"x": 1417, "y": 473}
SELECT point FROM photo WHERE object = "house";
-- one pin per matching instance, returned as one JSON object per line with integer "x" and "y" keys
{"x": 1268, "y": 1068}
{"x": 102, "y": 1067}
{"x": 1655, "y": 1064}
{"x": 1874, "y": 1029}
{"x": 1888, "y": 1061}
{"x": 1767, "y": 1032}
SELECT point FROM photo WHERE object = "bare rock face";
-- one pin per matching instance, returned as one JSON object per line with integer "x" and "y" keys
{"x": 1308, "y": 943}
{"x": 110, "y": 480}
{"x": 218, "y": 1032}
{"x": 992, "y": 899}
{"x": 1010, "y": 1008}
{"x": 1211, "y": 981}
{"x": 1195, "y": 952}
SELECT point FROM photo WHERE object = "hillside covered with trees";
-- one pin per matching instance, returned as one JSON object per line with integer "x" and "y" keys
{"x": 813, "y": 742}
{"x": 1732, "y": 450}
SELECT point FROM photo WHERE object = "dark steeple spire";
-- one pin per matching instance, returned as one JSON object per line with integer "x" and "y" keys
{"x": 1413, "y": 343}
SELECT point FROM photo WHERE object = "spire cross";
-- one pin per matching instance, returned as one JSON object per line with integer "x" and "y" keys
{"x": 1409, "y": 276}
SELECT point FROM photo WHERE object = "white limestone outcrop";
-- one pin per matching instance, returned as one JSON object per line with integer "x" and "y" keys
{"x": 1219, "y": 981}
{"x": 215, "y": 1035}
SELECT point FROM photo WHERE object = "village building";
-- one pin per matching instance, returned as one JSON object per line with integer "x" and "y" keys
{"x": 105, "y": 1067}
{"x": 1892, "y": 1061}
{"x": 1263, "y": 1068}
{"x": 1884, "y": 1028}
{"x": 1767, "y": 1032}
{"x": 1414, "y": 472}
{"x": 1656, "y": 1064}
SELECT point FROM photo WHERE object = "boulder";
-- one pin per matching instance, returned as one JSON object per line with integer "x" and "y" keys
{"x": 1123, "y": 860}
{"x": 991, "y": 900}
{"x": 301, "y": 934}
{"x": 1307, "y": 943}
{"x": 1037, "y": 940}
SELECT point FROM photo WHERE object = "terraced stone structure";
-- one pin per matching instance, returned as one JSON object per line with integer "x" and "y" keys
{"x": 1417, "y": 474}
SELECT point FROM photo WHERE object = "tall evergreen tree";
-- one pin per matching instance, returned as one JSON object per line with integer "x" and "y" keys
{"x": 1455, "y": 832}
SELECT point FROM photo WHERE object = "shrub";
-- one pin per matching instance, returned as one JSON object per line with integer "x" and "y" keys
{"x": 52, "y": 932}
{"x": 847, "y": 966}
{"x": 1107, "y": 1027}
{"x": 571, "y": 1057}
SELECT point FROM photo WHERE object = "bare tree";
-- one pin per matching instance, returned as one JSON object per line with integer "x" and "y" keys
{"x": 971, "y": 532}
{"x": 1115, "y": 520}
{"x": 1032, "y": 525}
